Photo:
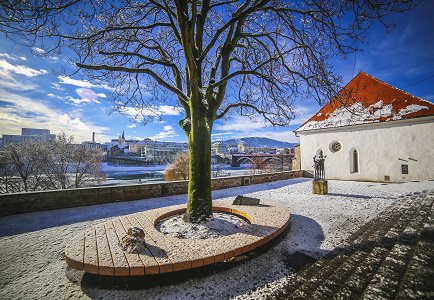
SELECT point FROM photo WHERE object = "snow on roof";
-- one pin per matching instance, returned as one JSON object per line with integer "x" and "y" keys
{"x": 366, "y": 99}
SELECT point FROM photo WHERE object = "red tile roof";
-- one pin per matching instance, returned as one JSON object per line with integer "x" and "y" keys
{"x": 366, "y": 99}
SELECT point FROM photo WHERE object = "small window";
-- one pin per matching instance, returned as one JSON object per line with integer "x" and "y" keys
{"x": 355, "y": 161}
{"x": 404, "y": 169}
{"x": 335, "y": 147}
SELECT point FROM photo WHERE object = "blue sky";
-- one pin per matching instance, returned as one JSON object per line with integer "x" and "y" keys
{"x": 34, "y": 93}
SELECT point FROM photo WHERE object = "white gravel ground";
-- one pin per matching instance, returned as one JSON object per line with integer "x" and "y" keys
{"x": 31, "y": 245}
{"x": 220, "y": 224}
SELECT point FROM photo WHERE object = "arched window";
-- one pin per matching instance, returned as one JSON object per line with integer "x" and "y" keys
{"x": 354, "y": 159}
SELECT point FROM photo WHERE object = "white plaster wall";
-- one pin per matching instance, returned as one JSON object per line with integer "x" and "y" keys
{"x": 379, "y": 146}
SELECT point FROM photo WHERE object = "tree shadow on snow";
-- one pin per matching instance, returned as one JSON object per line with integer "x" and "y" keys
{"x": 34, "y": 221}
{"x": 356, "y": 196}
{"x": 294, "y": 256}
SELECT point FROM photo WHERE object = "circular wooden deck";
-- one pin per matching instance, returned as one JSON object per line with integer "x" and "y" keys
{"x": 97, "y": 249}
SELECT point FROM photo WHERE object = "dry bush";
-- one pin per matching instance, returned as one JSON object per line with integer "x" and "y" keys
{"x": 179, "y": 169}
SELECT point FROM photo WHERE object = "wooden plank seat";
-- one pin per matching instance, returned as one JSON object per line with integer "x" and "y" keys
{"x": 97, "y": 250}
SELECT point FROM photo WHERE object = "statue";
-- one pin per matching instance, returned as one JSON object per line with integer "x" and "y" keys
{"x": 318, "y": 164}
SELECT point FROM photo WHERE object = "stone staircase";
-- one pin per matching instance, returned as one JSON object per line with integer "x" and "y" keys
{"x": 390, "y": 257}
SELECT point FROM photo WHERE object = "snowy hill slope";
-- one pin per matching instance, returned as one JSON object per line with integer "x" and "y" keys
{"x": 261, "y": 142}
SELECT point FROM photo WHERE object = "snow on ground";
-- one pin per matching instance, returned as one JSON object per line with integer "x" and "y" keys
{"x": 220, "y": 224}
{"x": 31, "y": 245}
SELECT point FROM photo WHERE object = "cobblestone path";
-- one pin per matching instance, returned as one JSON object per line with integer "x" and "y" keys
{"x": 390, "y": 257}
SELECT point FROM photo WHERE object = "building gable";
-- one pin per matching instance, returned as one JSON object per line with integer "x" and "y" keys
{"x": 365, "y": 100}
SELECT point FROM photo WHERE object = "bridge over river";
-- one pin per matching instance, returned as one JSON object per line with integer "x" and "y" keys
{"x": 257, "y": 158}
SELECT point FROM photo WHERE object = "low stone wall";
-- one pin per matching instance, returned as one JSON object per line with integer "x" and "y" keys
{"x": 47, "y": 200}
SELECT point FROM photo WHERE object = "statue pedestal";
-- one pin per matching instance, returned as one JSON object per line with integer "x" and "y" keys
{"x": 320, "y": 187}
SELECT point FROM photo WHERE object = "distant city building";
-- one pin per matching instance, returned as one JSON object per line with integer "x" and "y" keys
{"x": 219, "y": 148}
{"x": 28, "y": 134}
{"x": 243, "y": 147}
{"x": 156, "y": 151}
{"x": 94, "y": 145}
{"x": 232, "y": 149}
{"x": 34, "y": 131}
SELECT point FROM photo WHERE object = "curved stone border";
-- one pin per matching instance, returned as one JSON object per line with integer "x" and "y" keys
{"x": 97, "y": 249}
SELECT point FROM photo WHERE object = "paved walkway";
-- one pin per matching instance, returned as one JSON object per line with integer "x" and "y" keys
{"x": 390, "y": 257}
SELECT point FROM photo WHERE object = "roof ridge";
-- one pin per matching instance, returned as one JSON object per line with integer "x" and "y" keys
{"x": 376, "y": 86}
{"x": 393, "y": 87}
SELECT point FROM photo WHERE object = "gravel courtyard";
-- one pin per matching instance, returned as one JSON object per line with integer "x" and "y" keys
{"x": 31, "y": 245}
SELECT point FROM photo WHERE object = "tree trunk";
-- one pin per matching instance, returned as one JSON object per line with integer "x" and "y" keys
{"x": 199, "y": 206}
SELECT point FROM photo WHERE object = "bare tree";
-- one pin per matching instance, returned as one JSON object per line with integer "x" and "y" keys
{"x": 22, "y": 167}
{"x": 67, "y": 165}
{"x": 86, "y": 168}
{"x": 41, "y": 165}
{"x": 252, "y": 57}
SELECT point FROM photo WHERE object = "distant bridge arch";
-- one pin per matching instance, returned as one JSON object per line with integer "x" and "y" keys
{"x": 239, "y": 158}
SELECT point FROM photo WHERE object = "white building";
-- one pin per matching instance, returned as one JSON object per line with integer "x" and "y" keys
{"x": 219, "y": 148}
{"x": 156, "y": 151}
{"x": 371, "y": 131}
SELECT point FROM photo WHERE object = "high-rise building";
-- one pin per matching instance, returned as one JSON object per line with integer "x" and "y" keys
{"x": 28, "y": 134}
{"x": 34, "y": 131}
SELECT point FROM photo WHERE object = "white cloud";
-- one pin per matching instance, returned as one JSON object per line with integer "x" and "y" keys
{"x": 8, "y": 80}
{"x": 24, "y": 112}
{"x": 132, "y": 126}
{"x": 238, "y": 123}
{"x": 151, "y": 111}
{"x": 169, "y": 110}
{"x": 168, "y": 132}
{"x": 244, "y": 124}
{"x": 102, "y": 95}
{"x": 13, "y": 57}
{"x": 87, "y": 95}
{"x": 19, "y": 69}
{"x": 38, "y": 51}
{"x": 57, "y": 86}
{"x": 82, "y": 83}
{"x": 75, "y": 82}
{"x": 303, "y": 114}
{"x": 78, "y": 101}
{"x": 284, "y": 136}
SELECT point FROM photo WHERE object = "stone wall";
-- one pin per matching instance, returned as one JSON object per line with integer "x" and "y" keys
{"x": 296, "y": 162}
{"x": 47, "y": 200}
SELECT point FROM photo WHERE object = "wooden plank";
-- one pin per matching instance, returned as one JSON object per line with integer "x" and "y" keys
{"x": 195, "y": 253}
{"x": 90, "y": 262}
{"x": 74, "y": 252}
{"x": 105, "y": 261}
{"x": 164, "y": 263}
{"x": 121, "y": 266}
{"x": 134, "y": 261}
{"x": 178, "y": 255}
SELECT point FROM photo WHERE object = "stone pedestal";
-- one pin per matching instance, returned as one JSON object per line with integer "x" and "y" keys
{"x": 320, "y": 187}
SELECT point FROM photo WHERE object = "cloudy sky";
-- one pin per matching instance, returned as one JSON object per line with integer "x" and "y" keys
{"x": 35, "y": 92}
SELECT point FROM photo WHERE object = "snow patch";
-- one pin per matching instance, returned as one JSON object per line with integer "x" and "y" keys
{"x": 358, "y": 114}
{"x": 220, "y": 224}
{"x": 412, "y": 108}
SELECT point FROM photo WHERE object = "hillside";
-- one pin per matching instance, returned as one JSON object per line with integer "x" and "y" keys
{"x": 261, "y": 142}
